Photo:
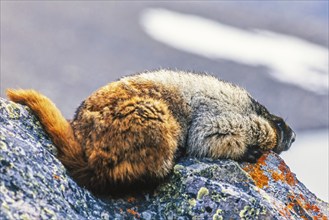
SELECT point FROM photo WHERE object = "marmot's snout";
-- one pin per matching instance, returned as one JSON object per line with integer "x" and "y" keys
{"x": 290, "y": 140}
{"x": 286, "y": 136}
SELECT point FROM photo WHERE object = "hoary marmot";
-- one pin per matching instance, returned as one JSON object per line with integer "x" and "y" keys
{"x": 128, "y": 133}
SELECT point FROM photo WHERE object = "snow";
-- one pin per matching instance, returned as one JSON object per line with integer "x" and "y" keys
{"x": 289, "y": 59}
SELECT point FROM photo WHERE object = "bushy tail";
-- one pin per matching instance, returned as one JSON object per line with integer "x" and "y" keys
{"x": 58, "y": 128}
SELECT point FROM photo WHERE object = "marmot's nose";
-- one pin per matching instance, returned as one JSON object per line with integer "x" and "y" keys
{"x": 293, "y": 137}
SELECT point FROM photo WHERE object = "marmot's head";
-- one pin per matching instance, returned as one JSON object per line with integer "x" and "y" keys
{"x": 285, "y": 135}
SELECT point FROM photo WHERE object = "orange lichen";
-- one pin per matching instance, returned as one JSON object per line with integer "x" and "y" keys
{"x": 285, "y": 175}
{"x": 261, "y": 180}
{"x": 256, "y": 172}
{"x": 134, "y": 213}
{"x": 302, "y": 197}
{"x": 290, "y": 205}
{"x": 259, "y": 172}
{"x": 315, "y": 209}
{"x": 131, "y": 199}
{"x": 303, "y": 203}
{"x": 277, "y": 176}
{"x": 312, "y": 207}
{"x": 262, "y": 159}
{"x": 56, "y": 177}
{"x": 285, "y": 212}
{"x": 288, "y": 175}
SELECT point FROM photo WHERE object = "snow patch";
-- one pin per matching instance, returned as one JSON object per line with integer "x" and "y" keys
{"x": 289, "y": 59}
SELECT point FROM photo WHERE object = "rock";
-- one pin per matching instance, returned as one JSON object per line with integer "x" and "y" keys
{"x": 35, "y": 185}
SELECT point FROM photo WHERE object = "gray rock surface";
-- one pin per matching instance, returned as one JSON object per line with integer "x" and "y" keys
{"x": 35, "y": 185}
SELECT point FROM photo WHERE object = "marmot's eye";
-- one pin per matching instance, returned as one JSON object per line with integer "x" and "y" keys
{"x": 280, "y": 123}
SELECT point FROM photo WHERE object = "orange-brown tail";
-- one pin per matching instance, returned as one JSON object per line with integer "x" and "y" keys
{"x": 58, "y": 128}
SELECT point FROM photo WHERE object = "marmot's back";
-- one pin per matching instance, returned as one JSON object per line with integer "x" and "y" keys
{"x": 189, "y": 85}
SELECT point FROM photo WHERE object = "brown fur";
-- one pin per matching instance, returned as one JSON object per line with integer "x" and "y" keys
{"x": 123, "y": 135}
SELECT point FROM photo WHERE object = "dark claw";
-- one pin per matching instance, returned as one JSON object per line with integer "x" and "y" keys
{"x": 252, "y": 154}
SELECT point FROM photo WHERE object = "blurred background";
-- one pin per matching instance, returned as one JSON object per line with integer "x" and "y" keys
{"x": 277, "y": 50}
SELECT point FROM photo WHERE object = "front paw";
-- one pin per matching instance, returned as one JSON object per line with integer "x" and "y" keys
{"x": 252, "y": 154}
